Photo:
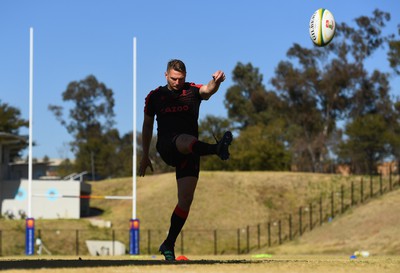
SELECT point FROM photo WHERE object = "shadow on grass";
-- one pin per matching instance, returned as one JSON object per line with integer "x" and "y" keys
{"x": 79, "y": 263}
{"x": 94, "y": 212}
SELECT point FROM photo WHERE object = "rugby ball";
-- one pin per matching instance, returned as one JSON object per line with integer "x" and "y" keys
{"x": 322, "y": 27}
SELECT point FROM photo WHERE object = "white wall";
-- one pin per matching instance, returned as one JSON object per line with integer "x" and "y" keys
{"x": 105, "y": 248}
{"x": 46, "y": 203}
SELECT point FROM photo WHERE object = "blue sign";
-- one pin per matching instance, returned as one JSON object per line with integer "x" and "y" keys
{"x": 30, "y": 236}
{"x": 21, "y": 194}
{"x": 52, "y": 194}
{"x": 134, "y": 237}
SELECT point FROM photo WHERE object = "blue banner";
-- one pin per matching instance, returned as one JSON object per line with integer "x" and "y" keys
{"x": 134, "y": 237}
{"x": 30, "y": 236}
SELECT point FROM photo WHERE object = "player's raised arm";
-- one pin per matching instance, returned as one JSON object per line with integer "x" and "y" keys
{"x": 147, "y": 134}
{"x": 209, "y": 89}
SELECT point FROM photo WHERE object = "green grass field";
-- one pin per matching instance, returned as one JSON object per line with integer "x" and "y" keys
{"x": 205, "y": 264}
{"x": 233, "y": 200}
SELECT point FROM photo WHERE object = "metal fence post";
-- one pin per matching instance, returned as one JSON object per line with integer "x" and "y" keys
{"x": 362, "y": 190}
{"x": 113, "y": 242}
{"x": 311, "y": 219}
{"x": 371, "y": 186}
{"x": 320, "y": 211}
{"x": 149, "y": 241}
{"x": 215, "y": 242}
{"x": 342, "y": 199}
{"x": 333, "y": 205}
{"x": 77, "y": 242}
{"x": 300, "y": 221}
{"x": 280, "y": 232}
{"x": 248, "y": 238}
{"x": 238, "y": 240}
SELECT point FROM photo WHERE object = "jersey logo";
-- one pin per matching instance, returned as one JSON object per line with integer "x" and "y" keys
{"x": 174, "y": 109}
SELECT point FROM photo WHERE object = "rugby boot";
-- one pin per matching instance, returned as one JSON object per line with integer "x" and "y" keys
{"x": 223, "y": 145}
{"x": 168, "y": 252}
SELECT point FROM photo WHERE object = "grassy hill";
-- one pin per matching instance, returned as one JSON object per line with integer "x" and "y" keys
{"x": 222, "y": 199}
{"x": 228, "y": 201}
{"x": 373, "y": 227}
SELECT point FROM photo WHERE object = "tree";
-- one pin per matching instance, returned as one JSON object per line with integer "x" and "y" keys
{"x": 366, "y": 144}
{"x": 90, "y": 122}
{"x": 66, "y": 168}
{"x": 11, "y": 122}
{"x": 247, "y": 101}
{"x": 212, "y": 127}
{"x": 394, "y": 123}
{"x": 10, "y": 119}
{"x": 394, "y": 53}
{"x": 258, "y": 148}
{"x": 259, "y": 117}
{"x": 394, "y": 133}
{"x": 321, "y": 86}
{"x": 93, "y": 107}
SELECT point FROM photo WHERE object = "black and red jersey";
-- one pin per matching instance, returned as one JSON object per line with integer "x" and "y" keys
{"x": 177, "y": 112}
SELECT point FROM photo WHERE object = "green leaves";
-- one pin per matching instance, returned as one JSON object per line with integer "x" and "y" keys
{"x": 317, "y": 90}
{"x": 92, "y": 105}
{"x": 97, "y": 145}
{"x": 11, "y": 122}
{"x": 10, "y": 119}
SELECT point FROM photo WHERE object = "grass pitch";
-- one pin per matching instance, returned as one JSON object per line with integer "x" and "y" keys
{"x": 204, "y": 264}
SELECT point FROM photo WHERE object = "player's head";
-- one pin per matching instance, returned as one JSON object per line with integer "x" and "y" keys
{"x": 175, "y": 74}
{"x": 177, "y": 65}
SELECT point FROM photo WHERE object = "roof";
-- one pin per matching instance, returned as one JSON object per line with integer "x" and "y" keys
{"x": 11, "y": 139}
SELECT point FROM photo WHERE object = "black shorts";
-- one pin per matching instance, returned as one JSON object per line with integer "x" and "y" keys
{"x": 185, "y": 165}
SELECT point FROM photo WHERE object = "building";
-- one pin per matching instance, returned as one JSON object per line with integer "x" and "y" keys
{"x": 54, "y": 198}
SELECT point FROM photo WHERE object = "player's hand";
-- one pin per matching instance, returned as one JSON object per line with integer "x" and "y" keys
{"x": 144, "y": 163}
{"x": 218, "y": 76}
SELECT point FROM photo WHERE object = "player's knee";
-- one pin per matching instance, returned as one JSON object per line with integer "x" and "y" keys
{"x": 185, "y": 202}
{"x": 183, "y": 143}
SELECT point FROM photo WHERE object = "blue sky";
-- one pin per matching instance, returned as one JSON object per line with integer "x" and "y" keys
{"x": 76, "y": 38}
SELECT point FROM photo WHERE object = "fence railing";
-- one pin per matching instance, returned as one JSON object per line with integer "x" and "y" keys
{"x": 270, "y": 233}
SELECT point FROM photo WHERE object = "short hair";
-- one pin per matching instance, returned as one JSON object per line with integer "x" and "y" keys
{"x": 177, "y": 65}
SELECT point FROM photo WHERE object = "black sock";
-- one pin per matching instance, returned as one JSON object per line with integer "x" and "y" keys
{"x": 178, "y": 220}
{"x": 201, "y": 148}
